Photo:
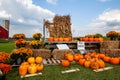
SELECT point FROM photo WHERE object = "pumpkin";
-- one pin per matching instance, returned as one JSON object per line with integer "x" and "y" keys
{"x": 55, "y": 39}
{"x": 69, "y": 57}
{"x": 101, "y": 56}
{"x": 81, "y": 39}
{"x": 22, "y": 70}
{"x": 39, "y": 67}
{"x": 114, "y": 60}
{"x": 25, "y": 63}
{"x": 70, "y": 39}
{"x": 76, "y": 57}
{"x": 65, "y": 63}
{"x": 87, "y": 56}
{"x": 100, "y": 39}
{"x": 81, "y": 61}
{"x": 85, "y": 39}
{"x": 96, "y": 39}
{"x": 31, "y": 60}
{"x": 94, "y": 65}
{"x": 101, "y": 63}
{"x": 66, "y": 39}
{"x": 90, "y": 39}
{"x": 106, "y": 58}
{"x": 87, "y": 63}
{"x": 38, "y": 60}
{"x": 50, "y": 39}
{"x": 60, "y": 39}
{"x": 32, "y": 69}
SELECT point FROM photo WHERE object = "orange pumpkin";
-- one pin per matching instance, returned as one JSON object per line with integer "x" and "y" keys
{"x": 70, "y": 57}
{"x": 22, "y": 70}
{"x": 65, "y": 63}
{"x": 66, "y": 39}
{"x": 114, "y": 60}
{"x": 81, "y": 61}
{"x": 55, "y": 39}
{"x": 38, "y": 60}
{"x": 94, "y": 65}
{"x": 101, "y": 56}
{"x": 31, "y": 60}
{"x": 85, "y": 39}
{"x": 39, "y": 67}
{"x": 50, "y": 39}
{"x": 96, "y": 39}
{"x": 100, "y": 39}
{"x": 90, "y": 39}
{"x": 25, "y": 63}
{"x": 76, "y": 57}
{"x": 32, "y": 69}
{"x": 87, "y": 63}
{"x": 70, "y": 39}
{"x": 60, "y": 39}
{"x": 101, "y": 63}
{"x": 106, "y": 58}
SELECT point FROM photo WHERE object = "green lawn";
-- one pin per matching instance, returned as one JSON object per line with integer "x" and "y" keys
{"x": 7, "y": 47}
{"x": 54, "y": 72}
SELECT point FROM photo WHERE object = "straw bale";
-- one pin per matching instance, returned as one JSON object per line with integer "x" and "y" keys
{"x": 111, "y": 52}
{"x": 110, "y": 44}
{"x": 44, "y": 53}
{"x": 59, "y": 54}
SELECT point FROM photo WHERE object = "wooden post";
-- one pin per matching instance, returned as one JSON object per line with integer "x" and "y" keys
{"x": 44, "y": 30}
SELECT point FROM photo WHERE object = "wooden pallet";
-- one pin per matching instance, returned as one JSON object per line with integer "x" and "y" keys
{"x": 51, "y": 61}
{"x": 103, "y": 69}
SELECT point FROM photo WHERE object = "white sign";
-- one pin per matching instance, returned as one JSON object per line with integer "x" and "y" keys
{"x": 81, "y": 45}
{"x": 62, "y": 46}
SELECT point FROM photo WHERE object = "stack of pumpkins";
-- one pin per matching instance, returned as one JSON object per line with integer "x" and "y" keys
{"x": 31, "y": 66}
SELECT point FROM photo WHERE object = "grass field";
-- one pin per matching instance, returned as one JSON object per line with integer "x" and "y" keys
{"x": 54, "y": 72}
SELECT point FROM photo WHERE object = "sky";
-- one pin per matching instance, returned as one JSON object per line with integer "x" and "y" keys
{"x": 87, "y": 16}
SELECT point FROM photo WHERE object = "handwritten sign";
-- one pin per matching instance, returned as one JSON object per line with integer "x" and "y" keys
{"x": 81, "y": 47}
{"x": 62, "y": 46}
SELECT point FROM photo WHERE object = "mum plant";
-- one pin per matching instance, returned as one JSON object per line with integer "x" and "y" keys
{"x": 37, "y": 36}
{"x": 35, "y": 44}
{"x": 22, "y": 53}
{"x": 19, "y": 36}
{"x": 20, "y": 43}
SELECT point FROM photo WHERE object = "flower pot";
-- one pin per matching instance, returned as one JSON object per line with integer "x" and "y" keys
{"x": 18, "y": 61}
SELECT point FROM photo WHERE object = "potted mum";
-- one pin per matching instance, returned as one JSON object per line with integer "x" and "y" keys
{"x": 37, "y": 36}
{"x": 112, "y": 35}
{"x": 35, "y": 44}
{"x": 21, "y": 54}
{"x": 19, "y": 36}
{"x": 5, "y": 67}
{"x": 20, "y": 43}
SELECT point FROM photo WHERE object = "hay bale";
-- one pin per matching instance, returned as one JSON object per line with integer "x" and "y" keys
{"x": 111, "y": 52}
{"x": 59, "y": 54}
{"x": 110, "y": 44}
{"x": 44, "y": 53}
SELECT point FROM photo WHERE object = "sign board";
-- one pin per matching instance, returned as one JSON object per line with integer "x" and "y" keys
{"x": 62, "y": 46}
{"x": 81, "y": 47}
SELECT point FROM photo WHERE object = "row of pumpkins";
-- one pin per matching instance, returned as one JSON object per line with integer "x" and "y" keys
{"x": 31, "y": 66}
{"x": 59, "y": 39}
{"x": 100, "y": 39}
{"x": 90, "y": 60}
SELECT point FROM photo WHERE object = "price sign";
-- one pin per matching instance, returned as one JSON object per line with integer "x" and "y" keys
{"x": 81, "y": 45}
{"x": 62, "y": 46}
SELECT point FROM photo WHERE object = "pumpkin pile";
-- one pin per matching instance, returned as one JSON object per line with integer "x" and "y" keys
{"x": 31, "y": 66}
{"x": 90, "y": 60}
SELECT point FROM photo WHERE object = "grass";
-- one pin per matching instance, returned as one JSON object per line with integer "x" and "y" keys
{"x": 7, "y": 47}
{"x": 54, "y": 72}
